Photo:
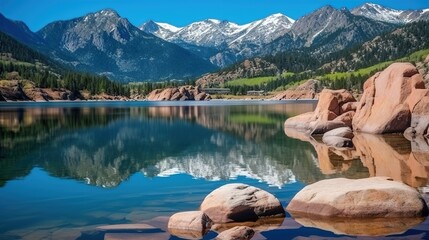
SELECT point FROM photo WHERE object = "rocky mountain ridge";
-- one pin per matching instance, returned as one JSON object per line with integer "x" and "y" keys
{"x": 385, "y": 14}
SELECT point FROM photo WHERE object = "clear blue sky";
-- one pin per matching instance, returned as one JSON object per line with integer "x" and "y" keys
{"x": 38, "y": 13}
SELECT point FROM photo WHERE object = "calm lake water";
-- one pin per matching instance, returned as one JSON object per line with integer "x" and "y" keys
{"x": 67, "y": 168}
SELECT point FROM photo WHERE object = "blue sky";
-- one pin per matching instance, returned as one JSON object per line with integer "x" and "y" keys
{"x": 38, "y": 13}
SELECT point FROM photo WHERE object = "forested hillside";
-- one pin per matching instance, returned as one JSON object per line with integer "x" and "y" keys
{"x": 19, "y": 62}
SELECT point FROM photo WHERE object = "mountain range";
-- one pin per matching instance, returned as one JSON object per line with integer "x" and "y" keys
{"x": 108, "y": 44}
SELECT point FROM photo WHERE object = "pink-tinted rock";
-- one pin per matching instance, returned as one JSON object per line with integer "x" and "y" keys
{"x": 349, "y": 106}
{"x": 346, "y": 118}
{"x": 333, "y": 100}
{"x": 239, "y": 203}
{"x": 321, "y": 127}
{"x": 419, "y": 119}
{"x": 189, "y": 225}
{"x": 385, "y": 106}
{"x": 236, "y": 233}
{"x": 362, "y": 198}
{"x": 183, "y": 93}
{"x": 325, "y": 117}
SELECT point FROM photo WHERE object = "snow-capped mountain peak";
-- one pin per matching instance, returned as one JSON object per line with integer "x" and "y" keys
{"x": 161, "y": 30}
{"x": 385, "y": 14}
{"x": 169, "y": 27}
{"x": 219, "y": 34}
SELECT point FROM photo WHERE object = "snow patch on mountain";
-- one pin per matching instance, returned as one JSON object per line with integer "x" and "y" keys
{"x": 385, "y": 14}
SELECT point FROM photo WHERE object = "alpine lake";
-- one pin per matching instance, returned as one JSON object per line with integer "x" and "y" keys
{"x": 67, "y": 168}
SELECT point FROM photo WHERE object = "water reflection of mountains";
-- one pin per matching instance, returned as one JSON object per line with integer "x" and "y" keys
{"x": 104, "y": 146}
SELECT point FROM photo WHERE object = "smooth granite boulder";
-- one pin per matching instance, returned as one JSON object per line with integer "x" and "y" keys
{"x": 189, "y": 225}
{"x": 239, "y": 203}
{"x": 362, "y": 198}
{"x": 388, "y": 100}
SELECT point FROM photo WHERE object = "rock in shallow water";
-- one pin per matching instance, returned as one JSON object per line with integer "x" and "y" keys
{"x": 240, "y": 202}
{"x": 362, "y": 198}
{"x": 189, "y": 225}
{"x": 237, "y": 233}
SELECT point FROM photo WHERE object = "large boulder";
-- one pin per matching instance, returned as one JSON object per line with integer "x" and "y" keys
{"x": 362, "y": 198}
{"x": 193, "y": 224}
{"x": 236, "y": 233}
{"x": 239, "y": 203}
{"x": 388, "y": 100}
{"x": 327, "y": 114}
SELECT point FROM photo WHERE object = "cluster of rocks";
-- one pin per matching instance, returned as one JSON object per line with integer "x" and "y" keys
{"x": 24, "y": 90}
{"x": 306, "y": 90}
{"x": 247, "y": 69}
{"x": 229, "y": 204}
{"x": 184, "y": 93}
{"x": 13, "y": 90}
{"x": 393, "y": 101}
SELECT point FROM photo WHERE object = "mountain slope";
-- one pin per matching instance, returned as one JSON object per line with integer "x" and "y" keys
{"x": 161, "y": 30}
{"x": 222, "y": 42}
{"x": 397, "y": 44}
{"x": 385, "y": 14}
{"x": 19, "y": 31}
{"x": 105, "y": 43}
{"x": 328, "y": 30}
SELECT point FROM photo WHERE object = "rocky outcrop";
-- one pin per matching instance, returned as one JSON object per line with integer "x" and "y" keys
{"x": 308, "y": 90}
{"x": 388, "y": 100}
{"x": 328, "y": 114}
{"x": 24, "y": 90}
{"x": 236, "y": 233}
{"x": 189, "y": 225}
{"x": 362, "y": 198}
{"x": 239, "y": 203}
{"x": 247, "y": 69}
{"x": 185, "y": 93}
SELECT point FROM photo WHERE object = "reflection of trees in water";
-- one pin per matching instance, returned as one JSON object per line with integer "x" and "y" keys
{"x": 23, "y": 132}
{"x": 104, "y": 146}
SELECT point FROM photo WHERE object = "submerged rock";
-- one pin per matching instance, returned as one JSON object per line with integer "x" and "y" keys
{"x": 240, "y": 202}
{"x": 236, "y": 233}
{"x": 362, "y": 198}
{"x": 189, "y": 225}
